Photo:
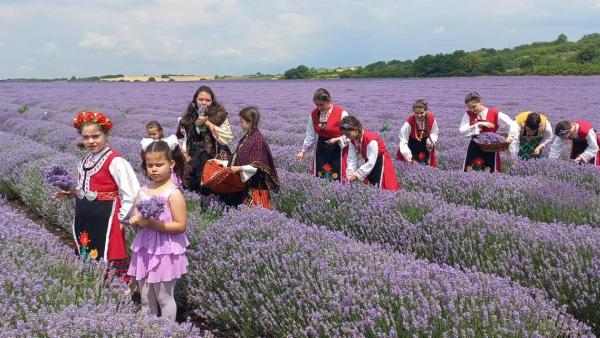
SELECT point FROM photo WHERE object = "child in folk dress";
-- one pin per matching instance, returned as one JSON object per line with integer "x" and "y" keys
{"x": 418, "y": 136}
{"x": 158, "y": 250}
{"x": 106, "y": 188}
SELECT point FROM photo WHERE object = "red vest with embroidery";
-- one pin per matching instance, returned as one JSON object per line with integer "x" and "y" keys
{"x": 414, "y": 129}
{"x": 583, "y": 130}
{"x": 332, "y": 129}
{"x": 369, "y": 136}
{"x": 492, "y": 116}
{"x": 98, "y": 178}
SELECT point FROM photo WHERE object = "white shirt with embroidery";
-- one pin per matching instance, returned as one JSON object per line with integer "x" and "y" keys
{"x": 364, "y": 170}
{"x": 405, "y": 134}
{"x": 505, "y": 125}
{"x": 560, "y": 147}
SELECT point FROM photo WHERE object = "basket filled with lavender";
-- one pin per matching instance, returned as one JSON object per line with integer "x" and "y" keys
{"x": 491, "y": 142}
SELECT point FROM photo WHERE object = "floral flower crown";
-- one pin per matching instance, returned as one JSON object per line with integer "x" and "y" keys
{"x": 90, "y": 116}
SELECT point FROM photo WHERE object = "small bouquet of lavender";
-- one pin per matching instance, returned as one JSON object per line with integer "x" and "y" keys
{"x": 152, "y": 207}
{"x": 57, "y": 176}
{"x": 489, "y": 138}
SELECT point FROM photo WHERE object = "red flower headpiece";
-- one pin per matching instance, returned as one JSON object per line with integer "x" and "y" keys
{"x": 90, "y": 116}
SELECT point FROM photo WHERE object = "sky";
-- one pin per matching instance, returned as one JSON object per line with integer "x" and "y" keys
{"x": 64, "y": 38}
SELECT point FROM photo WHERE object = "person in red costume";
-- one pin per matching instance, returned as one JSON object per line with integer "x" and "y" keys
{"x": 323, "y": 127}
{"x": 378, "y": 169}
{"x": 479, "y": 119}
{"x": 583, "y": 138}
{"x": 104, "y": 196}
{"x": 418, "y": 136}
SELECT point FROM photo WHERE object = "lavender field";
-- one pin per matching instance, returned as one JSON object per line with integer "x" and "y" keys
{"x": 450, "y": 254}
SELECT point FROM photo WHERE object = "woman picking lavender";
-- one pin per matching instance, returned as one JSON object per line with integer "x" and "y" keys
{"x": 479, "y": 119}
{"x": 583, "y": 138}
{"x": 535, "y": 134}
{"x": 378, "y": 169}
{"x": 323, "y": 129}
{"x": 418, "y": 136}
{"x": 106, "y": 188}
{"x": 158, "y": 250}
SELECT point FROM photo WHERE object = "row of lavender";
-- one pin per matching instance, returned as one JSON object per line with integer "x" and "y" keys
{"x": 268, "y": 275}
{"x": 47, "y": 291}
{"x": 549, "y": 197}
{"x": 561, "y": 260}
{"x": 564, "y": 261}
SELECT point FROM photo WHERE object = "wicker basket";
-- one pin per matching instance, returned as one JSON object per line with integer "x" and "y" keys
{"x": 494, "y": 147}
{"x": 220, "y": 179}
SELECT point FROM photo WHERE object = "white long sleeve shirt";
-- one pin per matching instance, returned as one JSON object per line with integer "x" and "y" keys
{"x": 311, "y": 134}
{"x": 405, "y": 134}
{"x": 561, "y": 146}
{"x": 546, "y": 136}
{"x": 505, "y": 125}
{"x": 364, "y": 170}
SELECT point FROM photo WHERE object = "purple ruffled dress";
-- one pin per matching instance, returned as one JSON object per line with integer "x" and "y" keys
{"x": 158, "y": 256}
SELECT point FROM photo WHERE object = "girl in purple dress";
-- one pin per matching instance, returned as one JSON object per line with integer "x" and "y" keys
{"x": 158, "y": 250}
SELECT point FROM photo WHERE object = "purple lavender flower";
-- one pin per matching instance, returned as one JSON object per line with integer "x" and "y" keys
{"x": 152, "y": 207}
{"x": 489, "y": 138}
{"x": 58, "y": 176}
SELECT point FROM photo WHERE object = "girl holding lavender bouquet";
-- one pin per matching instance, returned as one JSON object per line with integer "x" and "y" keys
{"x": 106, "y": 187}
{"x": 158, "y": 250}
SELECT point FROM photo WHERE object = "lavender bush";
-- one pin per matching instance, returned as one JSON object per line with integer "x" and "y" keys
{"x": 489, "y": 138}
{"x": 45, "y": 290}
{"x": 562, "y": 260}
{"x": 267, "y": 275}
{"x": 58, "y": 176}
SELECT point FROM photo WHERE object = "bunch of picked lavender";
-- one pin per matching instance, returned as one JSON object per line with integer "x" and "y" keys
{"x": 152, "y": 207}
{"x": 489, "y": 138}
{"x": 57, "y": 176}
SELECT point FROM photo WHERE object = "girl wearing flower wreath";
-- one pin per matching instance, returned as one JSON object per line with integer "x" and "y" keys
{"x": 252, "y": 160}
{"x": 106, "y": 188}
{"x": 418, "y": 136}
{"x": 207, "y": 132}
{"x": 158, "y": 250}
{"x": 479, "y": 119}
{"x": 378, "y": 169}
{"x": 323, "y": 126}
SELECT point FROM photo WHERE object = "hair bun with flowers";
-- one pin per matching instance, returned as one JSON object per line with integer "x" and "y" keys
{"x": 95, "y": 117}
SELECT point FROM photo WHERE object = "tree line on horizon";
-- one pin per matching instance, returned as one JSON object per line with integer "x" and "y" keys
{"x": 558, "y": 57}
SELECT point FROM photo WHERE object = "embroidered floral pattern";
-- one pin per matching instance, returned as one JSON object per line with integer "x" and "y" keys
{"x": 84, "y": 251}
{"x": 478, "y": 164}
{"x": 327, "y": 172}
{"x": 423, "y": 158}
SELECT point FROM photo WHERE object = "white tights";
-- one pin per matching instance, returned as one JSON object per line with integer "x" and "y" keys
{"x": 155, "y": 295}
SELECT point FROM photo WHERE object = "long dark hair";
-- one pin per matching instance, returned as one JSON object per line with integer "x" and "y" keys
{"x": 176, "y": 155}
{"x": 192, "y": 111}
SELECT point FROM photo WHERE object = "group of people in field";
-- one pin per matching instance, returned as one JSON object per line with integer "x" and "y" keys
{"x": 198, "y": 158}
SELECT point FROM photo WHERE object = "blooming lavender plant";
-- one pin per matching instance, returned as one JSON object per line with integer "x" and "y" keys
{"x": 58, "y": 176}
{"x": 267, "y": 275}
{"x": 151, "y": 207}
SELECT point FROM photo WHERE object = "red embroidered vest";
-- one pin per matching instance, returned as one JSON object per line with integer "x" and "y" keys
{"x": 332, "y": 128}
{"x": 492, "y": 116}
{"x": 97, "y": 177}
{"x": 414, "y": 129}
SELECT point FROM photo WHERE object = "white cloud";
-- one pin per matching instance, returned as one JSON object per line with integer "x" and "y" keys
{"x": 439, "y": 30}
{"x": 1, "y": 44}
{"x": 49, "y": 48}
{"x": 99, "y": 41}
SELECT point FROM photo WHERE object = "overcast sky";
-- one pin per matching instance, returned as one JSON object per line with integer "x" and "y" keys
{"x": 62, "y": 38}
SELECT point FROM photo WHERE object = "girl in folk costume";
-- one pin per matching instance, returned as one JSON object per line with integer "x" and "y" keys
{"x": 323, "y": 125}
{"x": 158, "y": 250}
{"x": 104, "y": 195}
{"x": 418, "y": 136}
{"x": 535, "y": 134}
{"x": 585, "y": 141}
{"x": 208, "y": 133}
{"x": 253, "y": 161}
{"x": 378, "y": 168}
{"x": 478, "y": 119}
